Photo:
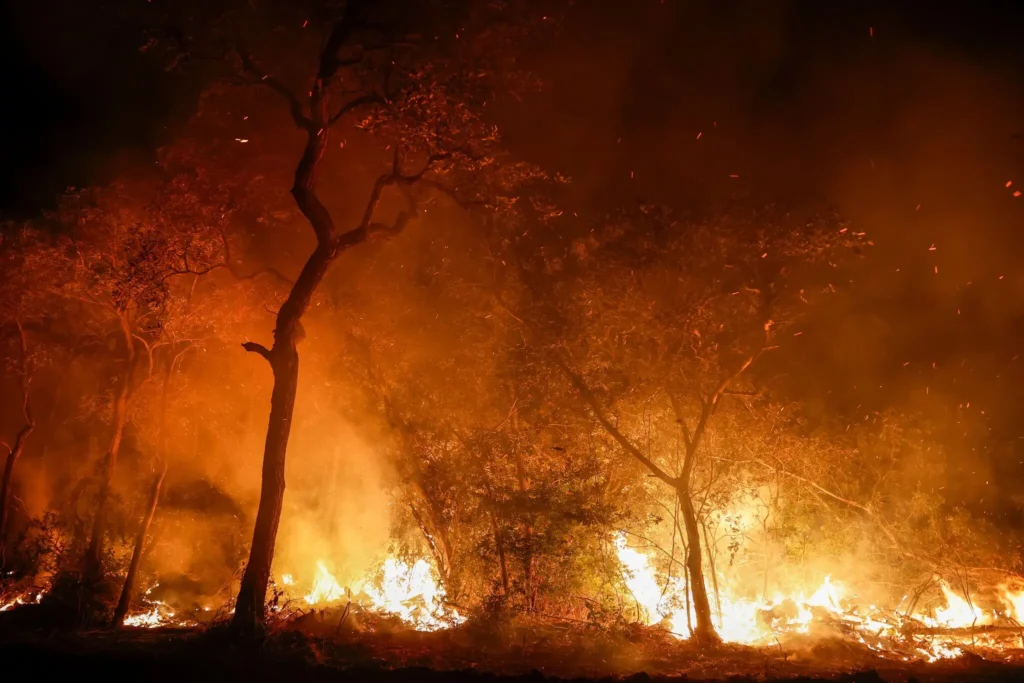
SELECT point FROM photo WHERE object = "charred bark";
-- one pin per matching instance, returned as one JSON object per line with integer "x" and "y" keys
{"x": 250, "y": 607}
{"x": 284, "y": 361}
{"x": 15, "y": 451}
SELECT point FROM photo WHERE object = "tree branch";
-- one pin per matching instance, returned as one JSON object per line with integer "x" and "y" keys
{"x": 865, "y": 509}
{"x": 677, "y": 408}
{"x": 273, "y": 272}
{"x": 367, "y": 228}
{"x": 354, "y": 104}
{"x": 427, "y": 167}
{"x": 149, "y": 354}
{"x": 253, "y": 347}
{"x": 462, "y": 202}
{"x": 294, "y": 105}
{"x": 591, "y": 400}
{"x": 227, "y": 265}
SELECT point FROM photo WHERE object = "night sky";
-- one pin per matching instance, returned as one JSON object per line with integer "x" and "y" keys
{"x": 87, "y": 101}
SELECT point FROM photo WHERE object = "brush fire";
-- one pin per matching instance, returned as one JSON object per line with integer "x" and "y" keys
{"x": 510, "y": 340}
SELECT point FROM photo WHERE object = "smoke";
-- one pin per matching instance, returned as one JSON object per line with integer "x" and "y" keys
{"x": 337, "y": 506}
{"x": 907, "y": 126}
{"x": 700, "y": 105}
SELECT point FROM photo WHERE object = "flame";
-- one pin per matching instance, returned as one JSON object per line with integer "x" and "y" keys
{"x": 412, "y": 594}
{"x": 151, "y": 619}
{"x": 409, "y": 592}
{"x": 326, "y": 588}
{"x": 642, "y": 582}
{"x": 1014, "y": 600}
{"x": 158, "y": 614}
{"x": 758, "y": 622}
{"x": 958, "y": 613}
{"x": 23, "y": 599}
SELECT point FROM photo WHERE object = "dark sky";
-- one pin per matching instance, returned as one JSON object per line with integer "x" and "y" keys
{"x": 768, "y": 84}
{"x": 906, "y": 116}
{"x": 80, "y": 100}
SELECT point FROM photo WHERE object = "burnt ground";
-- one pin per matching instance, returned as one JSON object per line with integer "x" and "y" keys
{"x": 159, "y": 655}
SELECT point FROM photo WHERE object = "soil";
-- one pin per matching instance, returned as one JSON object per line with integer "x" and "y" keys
{"x": 176, "y": 655}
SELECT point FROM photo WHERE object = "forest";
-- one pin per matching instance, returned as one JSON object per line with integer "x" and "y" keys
{"x": 346, "y": 363}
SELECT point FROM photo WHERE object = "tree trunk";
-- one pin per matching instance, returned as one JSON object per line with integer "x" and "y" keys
{"x": 250, "y": 608}
{"x": 15, "y": 451}
{"x": 94, "y": 554}
{"x": 529, "y": 560}
{"x": 5, "y": 487}
{"x": 711, "y": 566}
{"x": 437, "y": 538}
{"x": 124, "y": 602}
{"x": 133, "y": 568}
{"x": 704, "y": 632}
{"x": 283, "y": 356}
{"x": 499, "y": 544}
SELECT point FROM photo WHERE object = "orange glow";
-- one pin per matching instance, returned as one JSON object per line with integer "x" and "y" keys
{"x": 411, "y": 593}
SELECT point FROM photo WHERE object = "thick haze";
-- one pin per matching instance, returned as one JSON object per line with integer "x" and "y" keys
{"x": 909, "y": 121}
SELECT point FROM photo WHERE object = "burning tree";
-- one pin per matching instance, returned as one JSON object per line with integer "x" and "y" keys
{"x": 422, "y": 100}
{"x": 489, "y": 467}
{"x": 109, "y": 263}
{"x": 657, "y": 309}
{"x": 18, "y": 306}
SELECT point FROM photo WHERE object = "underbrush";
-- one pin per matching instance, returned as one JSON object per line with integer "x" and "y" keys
{"x": 321, "y": 644}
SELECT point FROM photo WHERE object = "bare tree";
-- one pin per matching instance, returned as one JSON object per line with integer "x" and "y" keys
{"x": 14, "y": 451}
{"x": 425, "y": 114}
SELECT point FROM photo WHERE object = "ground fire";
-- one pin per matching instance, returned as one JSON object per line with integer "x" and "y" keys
{"x": 451, "y": 339}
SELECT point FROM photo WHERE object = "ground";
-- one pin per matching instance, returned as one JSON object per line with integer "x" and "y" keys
{"x": 159, "y": 655}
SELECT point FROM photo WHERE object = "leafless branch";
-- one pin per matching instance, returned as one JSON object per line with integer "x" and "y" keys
{"x": 595, "y": 406}
{"x": 354, "y": 104}
{"x": 367, "y": 227}
{"x": 431, "y": 161}
{"x": 677, "y": 408}
{"x": 462, "y": 202}
{"x": 228, "y": 265}
{"x": 253, "y": 347}
{"x": 294, "y": 105}
{"x": 865, "y": 509}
